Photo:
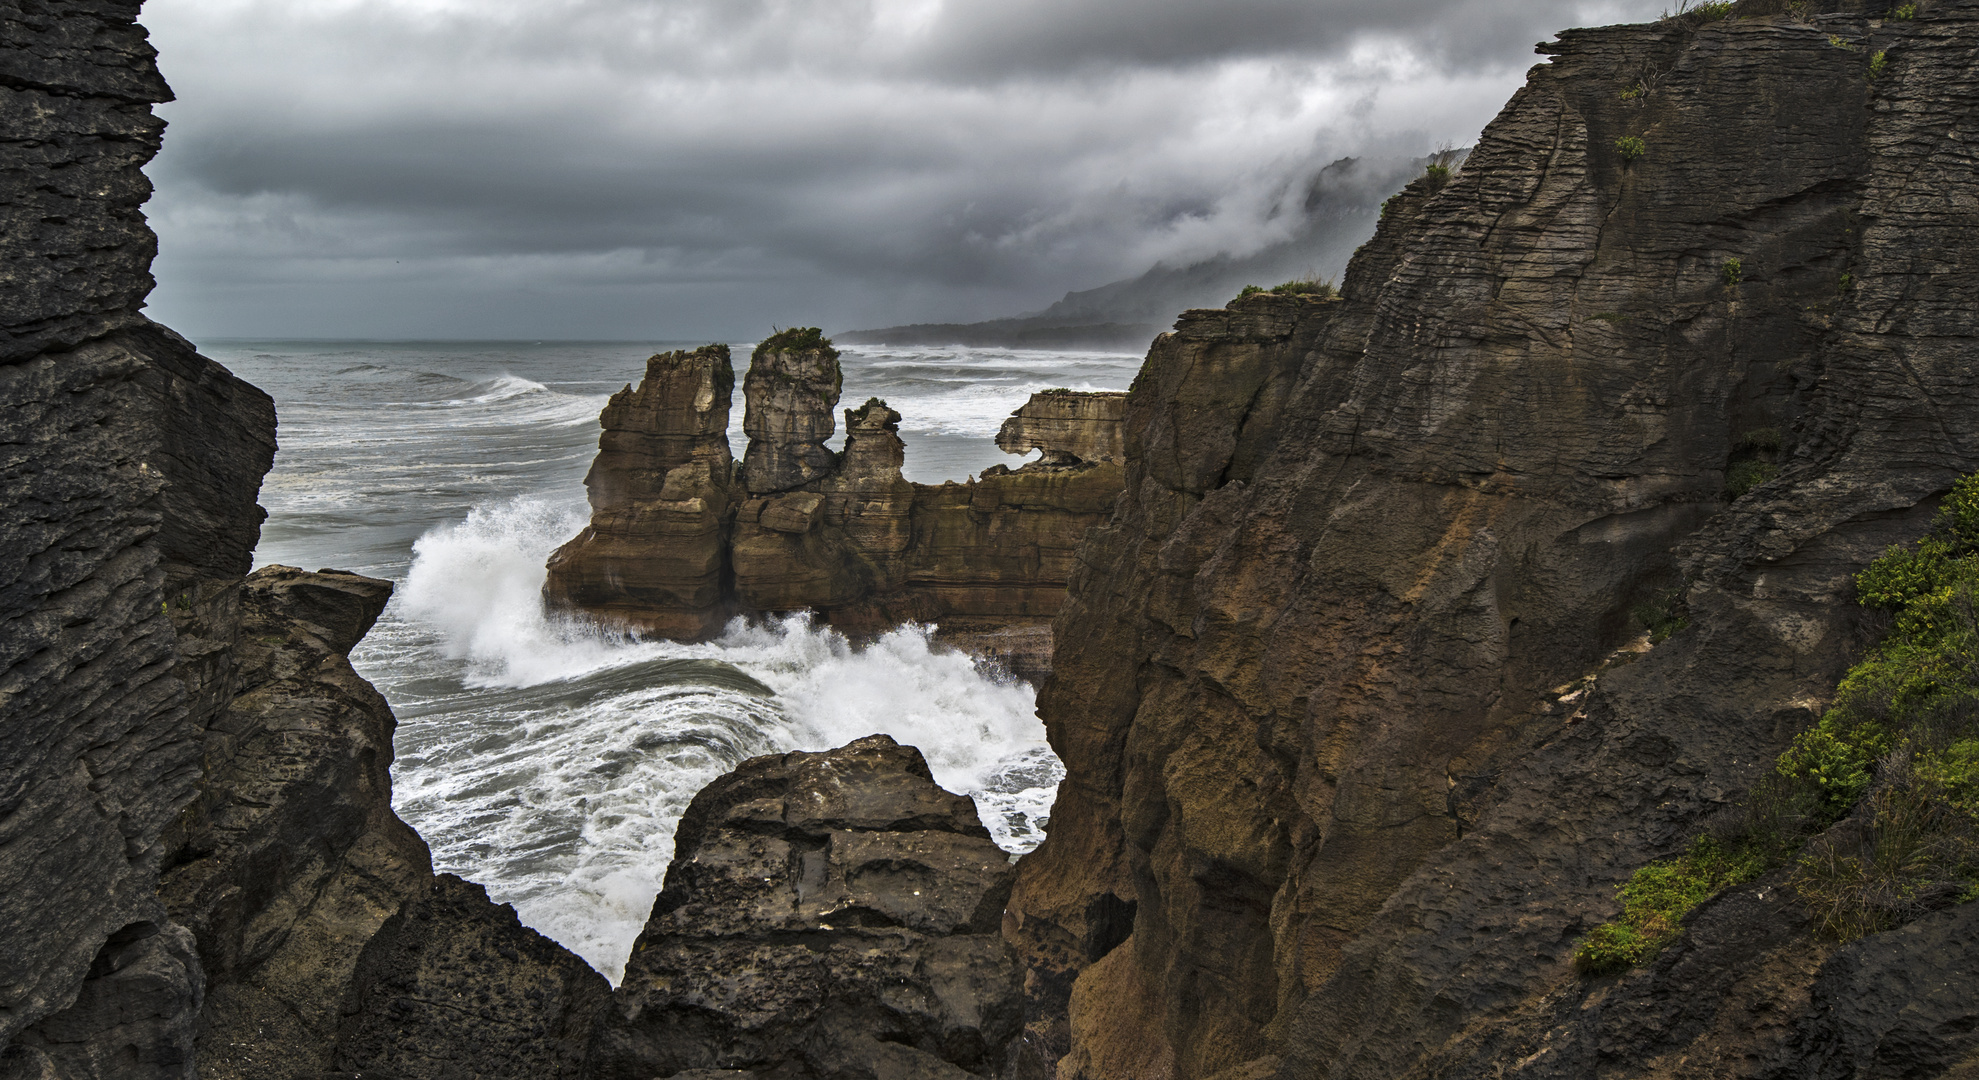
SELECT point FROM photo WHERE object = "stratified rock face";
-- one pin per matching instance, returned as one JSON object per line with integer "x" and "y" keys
{"x": 118, "y": 521}
{"x": 196, "y": 836}
{"x": 77, "y": 84}
{"x": 825, "y": 915}
{"x": 656, "y": 551}
{"x": 290, "y": 859}
{"x": 1068, "y": 427}
{"x": 1306, "y": 684}
{"x": 851, "y": 538}
{"x": 788, "y": 397}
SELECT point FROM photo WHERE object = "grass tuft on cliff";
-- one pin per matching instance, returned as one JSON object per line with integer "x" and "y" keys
{"x": 1657, "y": 897}
{"x": 1876, "y": 808}
{"x": 1312, "y": 287}
{"x": 1694, "y": 15}
{"x": 796, "y": 339}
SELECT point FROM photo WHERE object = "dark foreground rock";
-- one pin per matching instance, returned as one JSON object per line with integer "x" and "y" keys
{"x": 196, "y": 836}
{"x": 455, "y": 988}
{"x": 826, "y": 915}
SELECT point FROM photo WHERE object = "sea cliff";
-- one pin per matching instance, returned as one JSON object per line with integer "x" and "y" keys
{"x": 1363, "y": 717}
{"x": 1360, "y": 732}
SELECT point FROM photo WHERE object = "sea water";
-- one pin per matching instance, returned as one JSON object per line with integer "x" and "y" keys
{"x": 541, "y": 758}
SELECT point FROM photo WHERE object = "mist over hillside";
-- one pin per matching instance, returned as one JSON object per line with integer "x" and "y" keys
{"x": 1342, "y": 203}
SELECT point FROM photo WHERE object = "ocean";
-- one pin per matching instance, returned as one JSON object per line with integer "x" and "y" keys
{"x": 548, "y": 761}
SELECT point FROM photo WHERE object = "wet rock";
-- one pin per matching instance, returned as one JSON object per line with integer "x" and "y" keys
{"x": 833, "y": 915}
{"x": 987, "y": 561}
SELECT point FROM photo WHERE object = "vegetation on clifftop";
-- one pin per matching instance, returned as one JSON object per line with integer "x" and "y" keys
{"x": 1875, "y": 808}
{"x": 1312, "y": 287}
{"x": 796, "y": 339}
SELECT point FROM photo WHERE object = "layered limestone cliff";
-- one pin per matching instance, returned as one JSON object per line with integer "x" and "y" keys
{"x": 681, "y": 540}
{"x": 1340, "y": 795}
{"x": 199, "y": 865}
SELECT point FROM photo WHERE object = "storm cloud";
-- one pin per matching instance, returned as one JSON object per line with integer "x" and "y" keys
{"x": 675, "y": 169}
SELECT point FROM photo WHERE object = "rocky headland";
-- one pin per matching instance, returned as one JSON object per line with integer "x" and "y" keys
{"x": 1407, "y": 626}
{"x": 683, "y": 538}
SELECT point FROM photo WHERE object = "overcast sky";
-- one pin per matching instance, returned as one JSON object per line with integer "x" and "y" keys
{"x": 676, "y": 169}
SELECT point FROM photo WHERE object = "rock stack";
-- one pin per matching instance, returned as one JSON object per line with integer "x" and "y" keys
{"x": 662, "y": 491}
{"x": 788, "y": 397}
{"x": 844, "y": 535}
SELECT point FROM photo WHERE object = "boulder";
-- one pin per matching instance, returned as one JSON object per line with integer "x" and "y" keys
{"x": 828, "y": 914}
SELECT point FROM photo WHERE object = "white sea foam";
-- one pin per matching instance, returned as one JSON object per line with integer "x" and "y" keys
{"x": 556, "y": 770}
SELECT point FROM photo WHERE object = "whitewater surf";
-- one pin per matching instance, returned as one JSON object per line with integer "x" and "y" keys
{"x": 550, "y": 761}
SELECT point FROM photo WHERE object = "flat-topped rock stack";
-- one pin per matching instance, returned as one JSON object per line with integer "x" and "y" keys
{"x": 681, "y": 539}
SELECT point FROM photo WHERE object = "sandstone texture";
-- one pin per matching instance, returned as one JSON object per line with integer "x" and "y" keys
{"x": 788, "y": 398}
{"x": 1340, "y": 795}
{"x": 661, "y": 492}
{"x": 1068, "y": 427}
{"x": 680, "y": 541}
{"x": 829, "y": 915}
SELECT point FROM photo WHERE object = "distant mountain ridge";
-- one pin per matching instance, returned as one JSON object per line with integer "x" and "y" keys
{"x": 1342, "y": 204}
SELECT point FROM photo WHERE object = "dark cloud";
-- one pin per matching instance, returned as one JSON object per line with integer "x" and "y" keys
{"x": 693, "y": 168}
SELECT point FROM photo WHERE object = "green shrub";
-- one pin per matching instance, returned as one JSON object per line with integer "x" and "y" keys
{"x": 1697, "y": 14}
{"x": 1632, "y": 93}
{"x": 1743, "y": 476}
{"x": 1903, "y": 575}
{"x": 1732, "y": 271}
{"x": 1322, "y": 290}
{"x": 1318, "y": 290}
{"x": 1957, "y": 523}
{"x": 1657, "y": 897}
{"x": 1630, "y": 147}
{"x": 1766, "y": 438}
{"x": 1878, "y": 62}
{"x": 1876, "y": 807}
{"x": 1833, "y": 759}
{"x": 1438, "y": 177}
{"x": 1911, "y": 849}
{"x": 1907, "y": 11}
{"x": 796, "y": 339}
{"x": 1662, "y": 614}
{"x": 1840, "y": 43}
{"x": 1846, "y": 283}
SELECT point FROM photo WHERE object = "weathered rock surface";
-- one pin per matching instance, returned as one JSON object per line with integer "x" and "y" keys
{"x": 1306, "y": 683}
{"x": 788, "y": 397}
{"x": 850, "y": 539}
{"x": 453, "y": 986}
{"x": 1069, "y": 427}
{"x": 661, "y": 490}
{"x": 196, "y": 836}
{"x": 832, "y": 915}
{"x": 77, "y": 84}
